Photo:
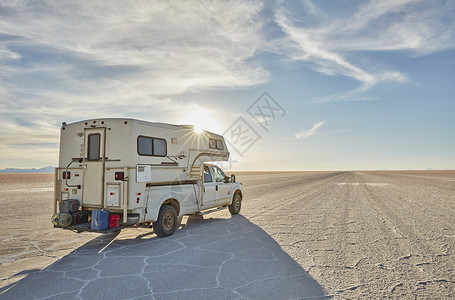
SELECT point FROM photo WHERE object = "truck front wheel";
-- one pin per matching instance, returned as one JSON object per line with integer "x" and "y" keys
{"x": 167, "y": 221}
{"x": 236, "y": 205}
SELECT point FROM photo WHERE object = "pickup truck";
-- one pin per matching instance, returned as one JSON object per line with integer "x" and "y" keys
{"x": 139, "y": 173}
{"x": 218, "y": 191}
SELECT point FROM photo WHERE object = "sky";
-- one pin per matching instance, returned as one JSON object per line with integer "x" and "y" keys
{"x": 292, "y": 85}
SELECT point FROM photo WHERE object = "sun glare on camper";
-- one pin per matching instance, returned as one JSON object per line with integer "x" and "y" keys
{"x": 201, "y": 119}
{"x": 198, "y": 129}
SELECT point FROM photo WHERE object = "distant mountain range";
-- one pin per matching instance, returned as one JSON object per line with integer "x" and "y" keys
{"x": 49, "y": 169}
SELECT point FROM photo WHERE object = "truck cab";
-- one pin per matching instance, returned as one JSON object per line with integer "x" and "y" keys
{"x": 219, "y": 189}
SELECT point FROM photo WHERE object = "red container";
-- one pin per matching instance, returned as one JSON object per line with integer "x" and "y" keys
{"x": 113, "y": 221}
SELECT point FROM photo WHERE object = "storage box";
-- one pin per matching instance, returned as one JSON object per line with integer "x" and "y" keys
{"x": 80, "y": 217}
{"x": 100, "y": 219}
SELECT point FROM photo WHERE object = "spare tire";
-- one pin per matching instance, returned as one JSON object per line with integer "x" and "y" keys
{"x": 62, "y": 219}
{"x": 69, "y": 206}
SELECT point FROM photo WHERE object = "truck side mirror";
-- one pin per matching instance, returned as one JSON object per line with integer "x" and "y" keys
{"x": 232, "y": 178}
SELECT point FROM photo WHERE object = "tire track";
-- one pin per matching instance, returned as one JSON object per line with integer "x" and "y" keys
{"x": 419, "y": 256}
{"x": 360, "y": 234}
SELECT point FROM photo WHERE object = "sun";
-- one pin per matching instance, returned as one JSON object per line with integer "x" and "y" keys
{"x": 202, "y": 119}
{"x": 198, "y": 128}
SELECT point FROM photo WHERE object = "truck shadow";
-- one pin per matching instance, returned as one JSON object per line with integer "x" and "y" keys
{"x": 205, "y": 259}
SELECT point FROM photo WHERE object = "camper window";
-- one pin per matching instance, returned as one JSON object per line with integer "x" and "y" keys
{"x": 159, "y": 147}
{"x": 150, "y": 146}
{"x": 219, "y": 145}
{"x": 212, "y": 143}
{"x": 216, "y": 144}
{"x": 93, "y": 153}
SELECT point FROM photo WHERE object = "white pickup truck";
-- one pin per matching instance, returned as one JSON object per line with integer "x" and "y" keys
{"x": 218, "y": 191}
{"x": 140, "y": 172}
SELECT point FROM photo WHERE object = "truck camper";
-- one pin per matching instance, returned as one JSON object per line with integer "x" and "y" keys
{"x": 114, "y": 173}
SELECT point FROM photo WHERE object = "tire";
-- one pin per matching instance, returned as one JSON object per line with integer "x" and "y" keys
{"x": 167, "y": 221}
{"x": 236, "y": 205}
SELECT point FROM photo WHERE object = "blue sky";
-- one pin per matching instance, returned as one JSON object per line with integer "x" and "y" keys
{"x": 354, "y": 84}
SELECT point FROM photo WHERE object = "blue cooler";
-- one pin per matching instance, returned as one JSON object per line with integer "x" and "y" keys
{"x": 100, "y": 219}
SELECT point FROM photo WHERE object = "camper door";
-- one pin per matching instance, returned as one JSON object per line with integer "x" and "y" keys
{"x": 93, "y": 184}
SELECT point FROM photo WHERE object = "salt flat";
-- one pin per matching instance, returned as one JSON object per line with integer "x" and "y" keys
{"x": 300, "y": 234}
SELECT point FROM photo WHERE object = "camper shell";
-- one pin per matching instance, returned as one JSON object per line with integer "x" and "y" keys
{"x": 134, "y": 168}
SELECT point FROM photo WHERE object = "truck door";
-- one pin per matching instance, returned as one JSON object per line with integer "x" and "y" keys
{"x": 93, "y": 164}
{"x": 209, "y": 189}
{"x": 223, "y": 190}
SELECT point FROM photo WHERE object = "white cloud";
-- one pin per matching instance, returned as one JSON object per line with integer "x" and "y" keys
{"x": 123, "y": 57}
{"x": 331, "y": 46}
{"x": 175, "y": 45}
{"x": 72, "y": 60}
{"x": 306, "y": 133}
{"x": 415, "y": 25}
{"x": 5, "y": 54}
{"x": 28, "y": 144}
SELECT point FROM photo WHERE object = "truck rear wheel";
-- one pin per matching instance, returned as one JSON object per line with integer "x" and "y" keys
{"x": 236, "y": 205}
{"x": 167, "y": 221}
